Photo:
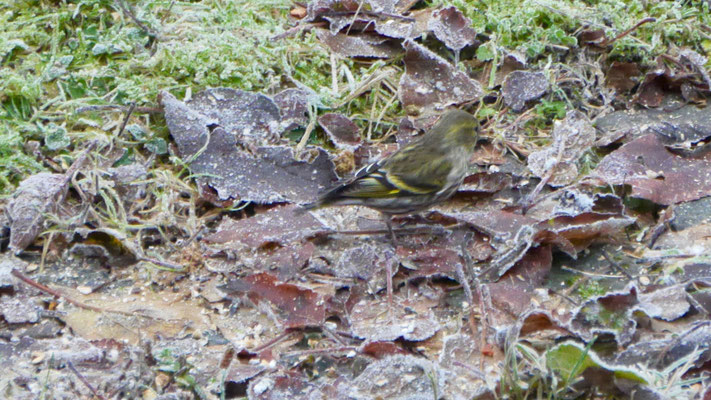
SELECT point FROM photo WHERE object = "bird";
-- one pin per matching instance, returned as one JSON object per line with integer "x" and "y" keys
{"x": 427, "y": 171}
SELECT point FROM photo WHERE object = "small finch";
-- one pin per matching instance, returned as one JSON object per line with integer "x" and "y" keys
{"x": 426, "y": 171}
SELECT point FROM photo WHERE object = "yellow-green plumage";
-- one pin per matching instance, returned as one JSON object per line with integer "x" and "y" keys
{"x": 420, "y": 174}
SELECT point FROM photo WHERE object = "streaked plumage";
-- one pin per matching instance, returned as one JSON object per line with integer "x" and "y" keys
{"x": 418, "y": 175}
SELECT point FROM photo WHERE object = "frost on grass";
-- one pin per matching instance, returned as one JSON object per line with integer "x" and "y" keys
{"x": 225, "y": 158}
{"x": 430, "y": 82}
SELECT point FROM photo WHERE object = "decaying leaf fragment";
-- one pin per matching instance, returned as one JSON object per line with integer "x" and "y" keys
{"x": 109, "y": 245}
{"x": 571, "y": 138}
{"x": 35, "y": 196}
{"x": 342, "y": 131}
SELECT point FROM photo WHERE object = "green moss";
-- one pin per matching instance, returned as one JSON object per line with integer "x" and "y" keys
{"x": 591, "y": 289}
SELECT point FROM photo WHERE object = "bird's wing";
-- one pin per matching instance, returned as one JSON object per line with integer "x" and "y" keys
{"x": 410, "y": 174}
{"x": 402, "y": 173}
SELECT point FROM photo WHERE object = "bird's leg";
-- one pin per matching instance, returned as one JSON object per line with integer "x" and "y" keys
{"x": 389, "y": 267}
{"x": 389, "y": 224}
{"x": 389, "y": 283}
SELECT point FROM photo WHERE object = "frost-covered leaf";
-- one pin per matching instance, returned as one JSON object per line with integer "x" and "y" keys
{"x": 362, "y": 45}
{"x": 342, "y": 131}
{"x": 35, "y": 196}
{"x": 430, "y": 82}
{"x": 295, "y": 306}
{"x": 399, "y": 377}
{"x": 451, "y": 27}
{"x": 654, "y": 173}
{"x": 280, "y": 225}
{"x": 408, "y": 319}
{"x": 522, "y": 86}
{"x": 212, "y": 136}
{"x": 610, "y": 313}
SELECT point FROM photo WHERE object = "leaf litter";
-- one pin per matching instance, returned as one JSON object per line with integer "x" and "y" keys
{"x": 269, "y": 301}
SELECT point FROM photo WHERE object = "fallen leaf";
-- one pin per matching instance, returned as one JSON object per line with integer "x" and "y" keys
{"x": 344, "y": 134}
{"x": 294, "y": 107}
{"x": 678, "y": 124}
{"x": 110, "y": 246}
{"x": 657, "y": 354}
{"x": 278, "y": 225}
{"x": 270, "y": 174}
{"x": 284, "y": 385}
{"x": 362, "y": 45}
{"x": 411, "y": 320}
{"x": 295, "y": 306}
{"x": 430, "y": 82}
{"x": 522, "y": 86}
{"x": 451, "y": 27}
{"x": 610, "y": 313}
{"x": 622, "y": 76}
{"x": 398, "y": 377}
{"x": 34, "y": 198}
{"x": 668, "y": 303}
{"x": 512, "y": 293}
{"x": 654, "y": 173}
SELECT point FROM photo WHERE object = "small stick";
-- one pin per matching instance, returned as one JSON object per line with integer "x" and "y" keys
{"x": 616, "y": 265}
{"x": 165, "y": 264}
{"x": 628, "y": 31}
{"x": 271, "y": 342}
{"x": 142, "y": 110}
{"x": 319, "y": 351}
{"x": 149, "y": 31}
{"x": 126, "y": 118}
{"x": 84, "y": 381}
{"x": 19, "y": 275}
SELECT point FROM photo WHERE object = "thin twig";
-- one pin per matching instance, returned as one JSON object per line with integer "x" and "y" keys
{"x": 165, "y": 264}
{"x": 564, "y": 296}
{"x": 627, "y": 32}
{"x": 126, "y": 117}
{"x": 272, "y": 342}
{"x": 319, "y": 351}
{"x": 19, "y": 275}
{"x": 616, "y": 266}
{"x": 149, "y": 31}
{"x": 114, "y": 107}
{"x": 84, "y": 381}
